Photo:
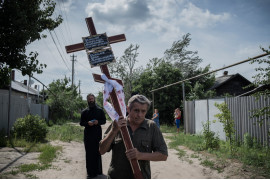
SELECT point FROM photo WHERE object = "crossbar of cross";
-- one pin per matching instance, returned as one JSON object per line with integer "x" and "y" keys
{"x": 104, "y": 69}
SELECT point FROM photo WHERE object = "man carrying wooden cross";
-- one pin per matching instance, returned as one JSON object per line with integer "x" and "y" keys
{"x": 147, "y": 139}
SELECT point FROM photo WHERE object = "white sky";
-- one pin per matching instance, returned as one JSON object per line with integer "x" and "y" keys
{"x": 223, "y": 33}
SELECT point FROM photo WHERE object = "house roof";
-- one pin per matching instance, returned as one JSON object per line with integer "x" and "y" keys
{"x": 18, "y": 86}
{"x": 257, "y": 89}
{"x": 225, "y": 78}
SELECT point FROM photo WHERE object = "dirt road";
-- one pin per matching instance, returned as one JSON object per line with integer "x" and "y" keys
{"x": 70, "y": 164}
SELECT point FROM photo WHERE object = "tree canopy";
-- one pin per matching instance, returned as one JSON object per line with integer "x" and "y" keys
{"x": 63, "y": 99}
{"x": 125, "y": 69}
{"x": 177, "y": 64}
{"x": 21, "y": 23}
{"x": 262, "y": 81}
{"x": 184, "y": 59}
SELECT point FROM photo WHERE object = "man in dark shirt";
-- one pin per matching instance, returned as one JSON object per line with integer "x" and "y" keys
{"x": 91, "y": 118}
{"x": 147, "y": 139}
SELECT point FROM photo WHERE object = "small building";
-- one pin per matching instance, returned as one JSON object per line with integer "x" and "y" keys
{"x": 233, "y": 85}
{"x": 22, "y": 90}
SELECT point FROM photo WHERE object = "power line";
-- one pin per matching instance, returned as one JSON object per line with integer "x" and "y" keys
{"x": 256, "y": 57}
{"x": 59, "y": 41}
{"x": 68, "y": 27}
{"x": 59, "y": 51}
{"x": 49, "y": 49}
{"x": 39, "y": 82}
{"x": 84, "y": 66}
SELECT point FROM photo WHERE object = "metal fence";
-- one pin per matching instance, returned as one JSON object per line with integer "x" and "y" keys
{"x": 18, "y": 109}
{"x": 242, "y": 109}
{"x": 199, "y": 112}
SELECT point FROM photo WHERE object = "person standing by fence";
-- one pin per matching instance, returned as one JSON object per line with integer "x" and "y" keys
{"x": 156, "y": 117}
{"x": 177, "y": 116}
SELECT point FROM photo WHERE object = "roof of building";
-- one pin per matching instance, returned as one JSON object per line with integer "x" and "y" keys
{"x": 225, "y": 78}
{"x": 18, "y": 86}
{"x": 255, "y": 90}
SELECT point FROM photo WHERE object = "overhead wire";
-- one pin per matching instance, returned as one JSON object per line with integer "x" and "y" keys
{"x": 62, "y": 24}
{"x": 67, "y": 22}
{"x": 59, "y": 42}
{"x": 49, "y": 49}
{"x": 59, "y": 51}
{"x": 62, "y": 10}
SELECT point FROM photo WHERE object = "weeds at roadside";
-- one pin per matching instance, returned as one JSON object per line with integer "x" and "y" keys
{"x": 181, "y": 153}
{"x": 208, "y": 163}
{"x": 249, "y": 153}
{"x": 31, "y": 176}
{"x": 65, "y": 133}
{"x": 194, "y": 156}
{"x": 48, "y": 153}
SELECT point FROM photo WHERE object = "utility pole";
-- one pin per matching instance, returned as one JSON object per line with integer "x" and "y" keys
{"x": 73, "y": 59}
{"x": 79, "y": 87}
{"x": 9, "y": 102}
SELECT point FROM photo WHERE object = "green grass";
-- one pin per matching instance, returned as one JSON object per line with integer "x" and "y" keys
{"x": 31, "y": 176}
{"x": 48, "y": 153}
{"x": 194, "y": 156}
{"x": 170, "y": 129}
{"x": 208, "y": 163}
{"x": 66, "y": 133}
{"x": 194, "y": 143}
{"x": 258, "y": 157}
{"x": 32, "y": 167}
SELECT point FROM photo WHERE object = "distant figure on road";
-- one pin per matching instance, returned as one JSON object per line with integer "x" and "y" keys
{"x": 147, "y": 139}
{"x": 91, "y": 118}
{"x": 156, "y": 117}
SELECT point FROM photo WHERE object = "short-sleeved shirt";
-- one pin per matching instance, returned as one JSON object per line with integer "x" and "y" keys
{"x": 146, "y": 138}
{"x": 157, "y": 118}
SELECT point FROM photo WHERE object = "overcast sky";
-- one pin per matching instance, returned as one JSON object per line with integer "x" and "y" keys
{"x": 223, "y": 33}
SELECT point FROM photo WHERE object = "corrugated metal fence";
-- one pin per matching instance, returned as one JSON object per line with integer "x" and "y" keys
{"x": 19, "y": 109}
{"x": 201, "y": 111}
{"x": 242, "y": 110}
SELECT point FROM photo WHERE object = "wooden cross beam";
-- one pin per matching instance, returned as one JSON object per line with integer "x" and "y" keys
{"x": 98, "y": 78}
{"x": 104, "y": 69}
{"x": 92, "y": 31}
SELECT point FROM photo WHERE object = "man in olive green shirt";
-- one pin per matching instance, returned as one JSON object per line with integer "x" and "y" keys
{"x": 147, "y": 139}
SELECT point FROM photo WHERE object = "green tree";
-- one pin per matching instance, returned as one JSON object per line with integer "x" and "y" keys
{"x": 262, "y": 80}
{"x": 157, "y": 74}
{"x": 21, "y": 23}
{"x": 64, "y": 101}
{"x": 226, "y": 119}
{"x": 178, "y": 64}
{"x": 199, "y": 88}
{"x": 188, "y": 61}
{"x": 125, "y": 69}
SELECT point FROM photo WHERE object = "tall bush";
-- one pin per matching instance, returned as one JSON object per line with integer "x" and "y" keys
{"x": 228, "y": 123}
{"x": 210, "y": 139}
{"x": 31, "y": 128}
{"x": 63, "y": 100}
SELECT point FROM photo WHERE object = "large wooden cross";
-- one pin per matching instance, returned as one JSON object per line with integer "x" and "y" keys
{"x": 104, "y": 69}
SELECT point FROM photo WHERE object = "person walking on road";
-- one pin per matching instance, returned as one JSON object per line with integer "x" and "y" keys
{"x": 147, "y": 139}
